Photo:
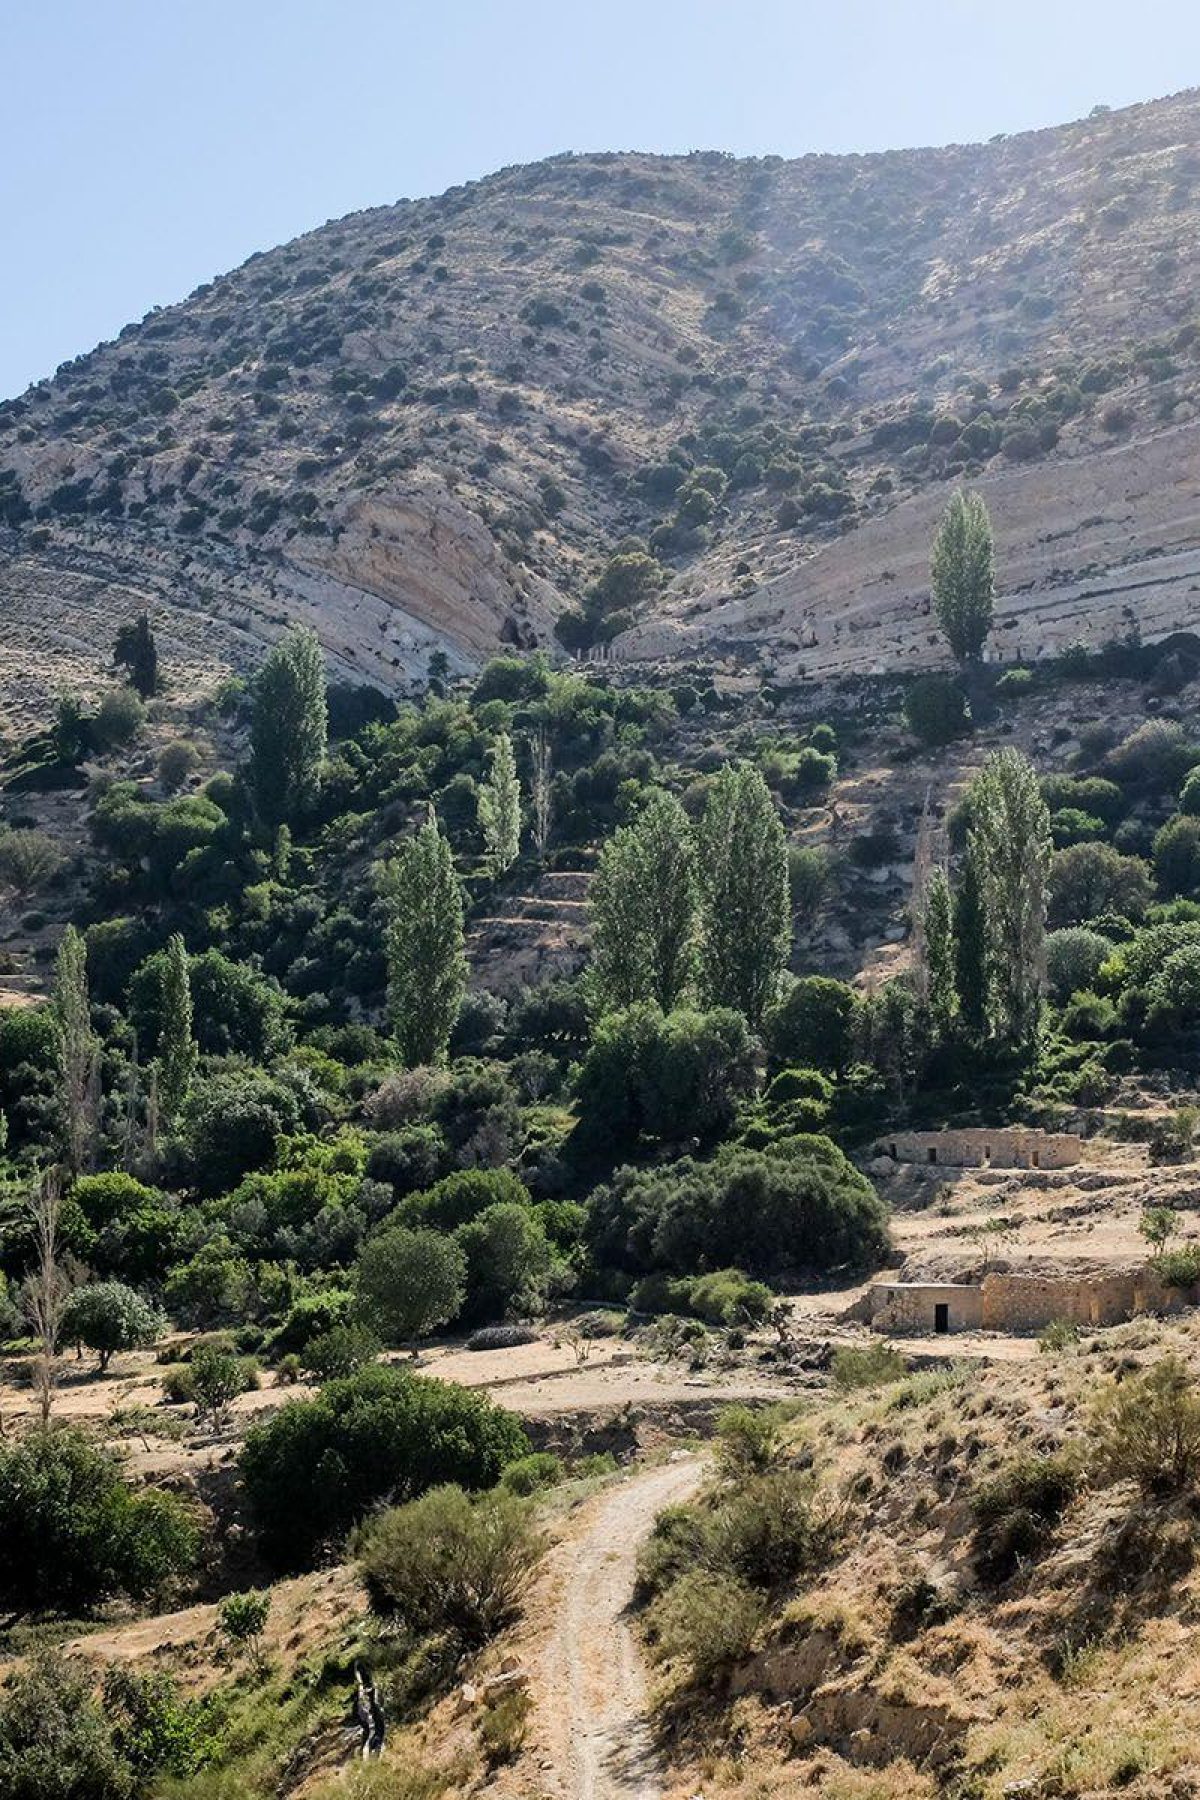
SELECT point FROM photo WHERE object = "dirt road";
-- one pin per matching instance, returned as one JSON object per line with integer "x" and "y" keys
{"x": 590, "y": 1736}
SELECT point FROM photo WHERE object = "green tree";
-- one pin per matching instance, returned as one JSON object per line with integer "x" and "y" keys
{"x": 939, "y": 952}
{"x": 410, "y": 1281}
{"x": 242, "y": 1619}
{"x": 500, "y": 808}
{"x": 509, "y": 1263}
{"x": 644, "y": 909}
{"x": 289, "y": 728}
{"x": 136, "y": 650}
{"x": 744, "y": 900}
{"x": 972, "y": 980}
{"x": 78, "y": 1050}
{"x": 177, "y": 1052}
{"x": 55, "y": 1739}
{"x": 812, "y": 1024}
{"x": 427, "y": 969}
{"x": 962, "y": 575}
{"x": 107, "y": 1316}
{"x": 1011, "y": 848}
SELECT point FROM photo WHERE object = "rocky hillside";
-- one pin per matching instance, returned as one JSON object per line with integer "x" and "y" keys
{"x": 429, "y": 425}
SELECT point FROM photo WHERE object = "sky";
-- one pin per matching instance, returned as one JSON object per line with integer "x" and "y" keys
{"x": 148, "y": 145}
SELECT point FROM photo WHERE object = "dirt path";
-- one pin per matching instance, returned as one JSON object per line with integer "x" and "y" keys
{"x": 590, "y": 1731}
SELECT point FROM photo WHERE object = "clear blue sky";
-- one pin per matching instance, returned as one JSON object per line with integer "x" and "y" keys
{"x": 146, "y": 145}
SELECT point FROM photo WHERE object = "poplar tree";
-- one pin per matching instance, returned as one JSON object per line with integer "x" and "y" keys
{"x": 962, "y": 575}
{"x": 1011, "y": 846}
{"x": 177, "y": 1051}
{"x": 289, "y": 728}
{"x": 938, "y": 937}
{"x": 746, "y": 921}
{"x": 427, "y": 968}
{"x": 643, "y": 904}
{"x": 541, "y": 791}
{"x": 971, "y": 979}
{"x": 500, "y": 808}
{"x": 77, "y": 1049}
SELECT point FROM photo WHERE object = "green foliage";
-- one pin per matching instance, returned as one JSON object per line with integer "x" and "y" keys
{"x": 1015, "y": 1509}
{"x": 177, "y": 1052}
{"x": 1010, "y": 850}
{"x": 242, "y": 1619}
{"x": 643, "y": 905}
{"x": 29, "y": 859}
{"x": 410, "y": 1281}
{"x": 706, "y": 1621}
{"x": 962, "y": 575}
{"x": 749, "y": 1440}
{"x": 745, "y": 907}
{"x": 1177, "y": 856}
{"x": 803, "y": 1207}
{"x": 107, "y": 1316}
{"x": 316, "y": 1467}
{"x": 812, "y": 1023}
{"x": 176, "y": 761}
{"x": 972, "y": 975}
{"x": 670, "y": 1076}
{"x": 1074, "y": 958}
{"x": 1147, "y": 1429}
{"x": 119, "y": 718}
{"x": 216, "y": 1378}
{"x": 935, "y": 709}
{"x": 233, "y": 1009}
{"x": 426, "y": 965}
{"x": 1153, "y": 759}
{"x": 55, "y": 1741}
{"x": 333, "y": 1354}
{"x": 509, "y": 1264}
{"x": 288, "y": 729}
{"x": 500, "y": 808}
{"x": 531, "y": 1475}
{"x": 448, "y": 1562}
{"x": 73, "y": 1532}
{"x": 873, "y": 1366}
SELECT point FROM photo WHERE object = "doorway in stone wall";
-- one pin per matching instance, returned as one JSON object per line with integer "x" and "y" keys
{"x": 941, "y": 1316}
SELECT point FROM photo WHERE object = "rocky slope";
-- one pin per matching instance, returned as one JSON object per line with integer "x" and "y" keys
{"x": 426, "y": 426}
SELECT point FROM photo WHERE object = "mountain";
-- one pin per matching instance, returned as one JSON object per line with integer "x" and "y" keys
{"x": 429, "y": 426}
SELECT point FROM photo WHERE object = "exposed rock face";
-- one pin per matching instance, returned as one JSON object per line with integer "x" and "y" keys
{"x": 426, "y": 426}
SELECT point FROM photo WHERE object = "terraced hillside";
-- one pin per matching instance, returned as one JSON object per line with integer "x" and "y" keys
{"x": 428, "y": 426}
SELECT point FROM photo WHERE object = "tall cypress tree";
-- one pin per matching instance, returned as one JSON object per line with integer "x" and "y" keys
{"x": 177, "y": 1051}
{"x": 745, "y": 907}
{"x": 427, "y": 969}
{"x": 77, "y": 1050}
{"x": 643, "y": 905}
{"x": 962, "y": 575}
{"x": 136, "y": 650}
{"x": 971, "y": 975}
{"x": 500, "y": 808}
{"x": 289, "y": 728}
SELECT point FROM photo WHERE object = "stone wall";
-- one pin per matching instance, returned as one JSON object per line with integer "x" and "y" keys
{"x": 1008, "y": 1147}
{"x": 1020, "y": 1302}
{"x": 910, "y": 1307}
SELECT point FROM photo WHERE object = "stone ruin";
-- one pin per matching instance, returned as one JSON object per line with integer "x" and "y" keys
{"x": 1007, "y": 1147}
{"x": 1020, "y": 1301}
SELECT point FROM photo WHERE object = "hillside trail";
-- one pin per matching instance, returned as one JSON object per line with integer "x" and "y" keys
{"x": 589, "y": 1735}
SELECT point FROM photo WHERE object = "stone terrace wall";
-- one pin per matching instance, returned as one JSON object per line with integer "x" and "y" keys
{"x": 1010, "y": 1147}
{"x": 1014, "y": 1302}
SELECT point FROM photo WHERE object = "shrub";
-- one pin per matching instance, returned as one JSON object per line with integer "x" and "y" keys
{"x": 216, "y": 1378}
{"x": 176, "y": 762}
{"x": 1060, "y": 1334}
{"x": 340, "y": 1352}
{"x": 1179, "y": 1268}
{"x": 1087, "y": 880}
{"x": 1015, "y": 1508}
{"x": 317, "y": 1466}
{"x": 1177, "y": 855}
{"x": 1155, "y": 757}
{"x": 55, "y": 1741}
{"x": 801, "y": 1207}
{"x": 73, "y": 1532}
{"x": 728, "y": 1297}
{"x": 1073, "y": 959}
{"x": 670, "y": 1076}
{"x": 530, "y": 1474}
{"x": 107, "y": 1316}
{"x": 242, "y": 1618}
{"x": 410, "y": 1282}
{"x": 29, "y": 860}
{"x": 312, "y": 1316}
{"x": 504, "y": 1727}
{"x": 871, "y": 1366}
{"x": 813, "y": 1024}
{"x": 118, "y": 719}
{"x": 935, "y": 709}
{"x": 502, "y": 1337}
{"x": 749, "y": 1439}
{"x": 706, "y": 1621}
{"x": 508, "y": 1263}
{"x": 766, "y": 1529}
{"x": 459, "y": 1198}
{"x": 447, "y": 1562}
{"x": 1147, "y": 1429}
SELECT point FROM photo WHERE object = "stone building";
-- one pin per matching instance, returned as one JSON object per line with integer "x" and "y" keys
{"x": 1020, "y": 1301}
{"x": 1007, "y": 1147}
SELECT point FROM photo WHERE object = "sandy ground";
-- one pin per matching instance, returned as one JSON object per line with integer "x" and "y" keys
{"x": 589, "y": 1736}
